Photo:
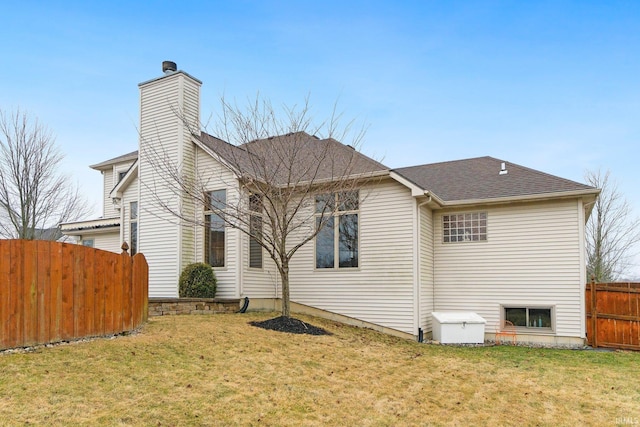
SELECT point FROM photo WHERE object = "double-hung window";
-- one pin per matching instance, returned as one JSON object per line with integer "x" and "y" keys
{"x": 255, "y": 238}
{"x": 214, "y": 230}
{"x": 133, "y": 227}
{"x": 337, "y": 221}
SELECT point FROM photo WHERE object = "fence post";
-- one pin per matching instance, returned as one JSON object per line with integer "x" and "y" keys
{"x": 594, "y": 313}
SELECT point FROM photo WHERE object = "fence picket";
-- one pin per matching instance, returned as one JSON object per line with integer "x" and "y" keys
{"x": 55, "y": 302}
{"x": 5, "y": 296}
{"x": 44, "y": 289}
{"x": 79, "y": 329}
{"x": 15, "y": 284}
{"x": 99, "y": 292}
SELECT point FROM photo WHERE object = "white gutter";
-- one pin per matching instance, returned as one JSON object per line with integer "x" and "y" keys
{"x": 524, "y": 198}
{"x": 90, "y": 224}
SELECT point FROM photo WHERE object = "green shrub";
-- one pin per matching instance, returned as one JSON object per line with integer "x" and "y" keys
{"x": 198, "y": 281}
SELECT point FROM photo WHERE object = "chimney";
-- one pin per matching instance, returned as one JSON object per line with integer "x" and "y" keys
{"x": 169, "y": 67}
{"x": 169, "y": 115}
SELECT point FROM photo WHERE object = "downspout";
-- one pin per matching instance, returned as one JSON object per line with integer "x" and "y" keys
{"x": 433, "y": 264}
{"x": 417, "y": 273}
{"x": 240, "y": 247}
{"x": 240, "y": 262}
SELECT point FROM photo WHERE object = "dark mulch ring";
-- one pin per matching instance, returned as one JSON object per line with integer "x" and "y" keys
{"x": 291, "y": 325}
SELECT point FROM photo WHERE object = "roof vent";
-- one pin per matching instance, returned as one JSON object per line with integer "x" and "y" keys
{"x": 169, "y": 67}
{"x": 503, "y": 169}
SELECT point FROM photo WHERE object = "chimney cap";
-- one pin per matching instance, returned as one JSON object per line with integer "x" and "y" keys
{"x": 169, "y": 67}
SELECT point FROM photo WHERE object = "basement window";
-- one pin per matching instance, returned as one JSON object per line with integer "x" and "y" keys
{"x": 464, "y": 227}
{"x": 534, "y": 318}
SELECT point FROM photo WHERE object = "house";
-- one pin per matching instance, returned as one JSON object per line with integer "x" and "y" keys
{"x": 481, "y": 235}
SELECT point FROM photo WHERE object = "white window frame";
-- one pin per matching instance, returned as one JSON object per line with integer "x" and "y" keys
{"x": 527, "y": 307}
{"x": 255, "y": 214}
{"x": 133, "y": 219}
{"x": 206, "y": 229}
{"x": 336, "y": 233}
{"x": 117, "y": 170}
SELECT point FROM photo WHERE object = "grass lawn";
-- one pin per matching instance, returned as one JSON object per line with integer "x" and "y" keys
{"x": 218, "y": 370}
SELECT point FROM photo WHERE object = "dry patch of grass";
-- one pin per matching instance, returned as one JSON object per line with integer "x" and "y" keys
{"x": 218, "y": 370}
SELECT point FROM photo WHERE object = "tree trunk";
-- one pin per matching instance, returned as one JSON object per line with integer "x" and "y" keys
{"x": 284, "y": 276}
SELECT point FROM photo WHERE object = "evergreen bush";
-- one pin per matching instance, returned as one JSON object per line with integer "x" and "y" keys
{"x": 198, "y": 281}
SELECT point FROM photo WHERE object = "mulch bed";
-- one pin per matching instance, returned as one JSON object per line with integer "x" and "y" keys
{"x": 291, "y": 325}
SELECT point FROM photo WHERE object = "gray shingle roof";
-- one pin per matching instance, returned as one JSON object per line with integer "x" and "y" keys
{"x": 479, "y": 178}
{"x": 295, "y": 157}
{"x": 458, "y": 180}
{"x": 123, "y": 158}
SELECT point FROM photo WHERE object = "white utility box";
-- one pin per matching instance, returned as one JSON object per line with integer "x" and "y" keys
{"x": 458, "y": 327}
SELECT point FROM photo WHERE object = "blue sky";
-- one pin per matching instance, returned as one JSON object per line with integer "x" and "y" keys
{"x": 551, "y": 85}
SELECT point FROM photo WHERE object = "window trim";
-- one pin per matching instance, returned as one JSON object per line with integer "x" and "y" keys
{"x": 336, "y": 214}
{"x": 464, "y": 219}
{"x": 117, "y": 170}
{"x": 257, "y": 214}
{"x": 527, "y": 307}
{"x": 133, "y": 249}
{"x": 206, "y": 228}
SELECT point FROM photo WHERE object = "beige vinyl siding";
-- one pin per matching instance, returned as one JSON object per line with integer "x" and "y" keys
{"x": 426, "y": 267}
{"x": 531, "y": 257}
{"x": 381, "y": 289}
{"x": 259, "y": 282}
{"x": 161, "y": 128}
{"x": 214, "y": 176}
{"x": 105, "y": 241}
{"x": 191, "y": 108}
{"x": 108, "y": 211}
{"x": 110, "y": 179}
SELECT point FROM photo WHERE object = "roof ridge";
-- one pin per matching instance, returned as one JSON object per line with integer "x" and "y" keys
{"x": 539, "y": 172}
{"x": 447, "y": 161}
{"x": 479, "y": 178}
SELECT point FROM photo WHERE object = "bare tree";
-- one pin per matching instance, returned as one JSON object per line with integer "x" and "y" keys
{"x": 34, "y": 195}
{"x": 611, "y": 231}
{"x": 290, "y": 185}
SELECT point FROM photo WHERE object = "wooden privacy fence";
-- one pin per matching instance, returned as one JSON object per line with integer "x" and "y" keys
{"x": 52, "y": 291}
{"x": 613, "y": 315}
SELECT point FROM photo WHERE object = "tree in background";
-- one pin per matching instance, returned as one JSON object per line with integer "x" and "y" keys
{"x": 290, "y": 185}
{"x": 611, "y": 231}
{"x": 35, "y": 197}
